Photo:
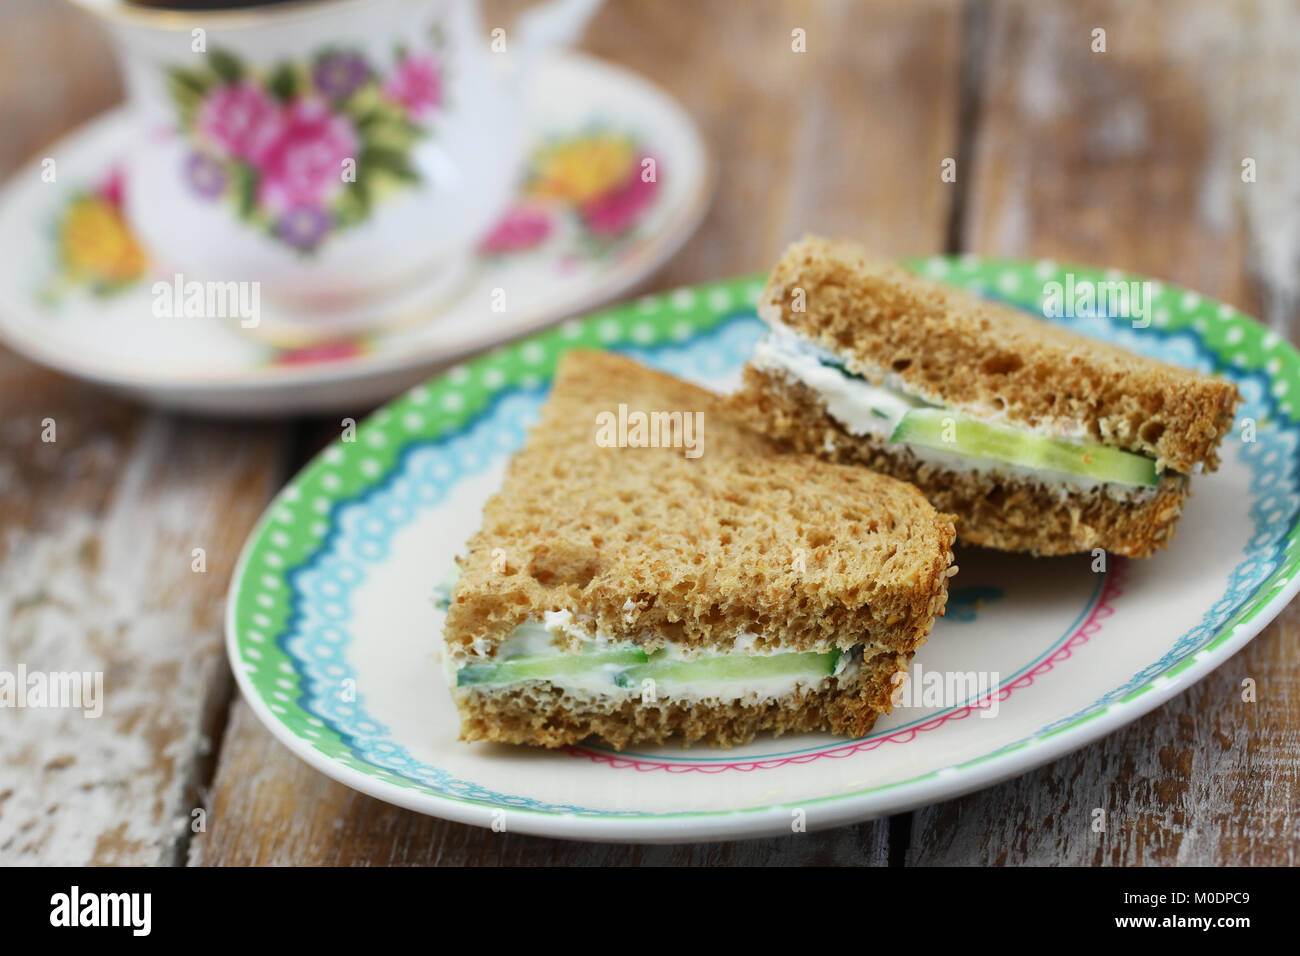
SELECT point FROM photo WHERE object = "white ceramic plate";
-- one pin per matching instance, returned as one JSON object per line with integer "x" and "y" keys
{"x": 334, "y": 635}
{"x": 76, "y": 290}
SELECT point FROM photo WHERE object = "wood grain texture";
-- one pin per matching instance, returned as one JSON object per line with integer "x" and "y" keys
{"x": 848, "y": 138}
{"x": 1206, "y": 780}
{"x": 282, "y": 812}
{"x": 1122, "y": 159}
{"x": 845, "y": 138}
{"x": 97, "y": 575}
{"x": 97, "y": 530}
{"x": 56, "y": 70}
{"x": 1109, "y": 159}
{"x": 1250, "y": 77}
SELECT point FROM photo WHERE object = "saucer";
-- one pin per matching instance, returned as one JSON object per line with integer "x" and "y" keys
{"x": 79, "y": 294}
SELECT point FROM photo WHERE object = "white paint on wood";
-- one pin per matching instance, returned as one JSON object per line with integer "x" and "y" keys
{"x": 112, "y": 592}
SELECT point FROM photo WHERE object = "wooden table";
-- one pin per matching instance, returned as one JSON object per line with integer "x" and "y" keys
{"x": 1128, "y": 157}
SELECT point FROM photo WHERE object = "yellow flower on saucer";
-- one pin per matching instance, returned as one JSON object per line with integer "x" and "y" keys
{"x": 582, "y": 169}
{"x": 97, "y": 245}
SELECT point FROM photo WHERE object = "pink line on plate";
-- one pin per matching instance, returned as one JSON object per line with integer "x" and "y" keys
{"x": 1112, "y": 589}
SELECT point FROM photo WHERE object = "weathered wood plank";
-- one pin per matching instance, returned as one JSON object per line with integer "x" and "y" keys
{"x": 285, "y": 813}
{"x": 97, "y": 530}
{"x": 1250, "y": 77}
{"x": 1207, "y": 779}
{"x": 97, "y": 575}
{"x": 43, "y": 96}
{"x": 844, "y": 138}
{"x": 1121, "y": 158}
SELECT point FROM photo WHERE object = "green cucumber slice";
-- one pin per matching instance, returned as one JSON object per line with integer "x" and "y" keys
{"x": 730, "y": 667}
{"x": 543, "y": 667}
{"x": 629, "y": 666}
{"x": 958, "y": 433}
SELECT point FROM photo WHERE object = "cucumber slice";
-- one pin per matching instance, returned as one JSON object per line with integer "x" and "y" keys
{"x": 960, "y": 434}
{"x": 729, "y": 667}
{"x": 628, "y": 666}
{"x": 550, "y": 665}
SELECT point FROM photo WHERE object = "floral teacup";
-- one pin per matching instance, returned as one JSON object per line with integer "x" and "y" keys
{"x": 345, "y": 155}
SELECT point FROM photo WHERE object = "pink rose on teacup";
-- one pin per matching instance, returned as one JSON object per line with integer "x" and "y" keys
{"x": 242, "y": 119}
{"x": 304, "y": 149}
{"x": 303, "y": 165}
{"x": 415, "y": 85}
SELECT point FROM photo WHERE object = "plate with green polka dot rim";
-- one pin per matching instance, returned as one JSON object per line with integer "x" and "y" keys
{"x": 334, "y": 619}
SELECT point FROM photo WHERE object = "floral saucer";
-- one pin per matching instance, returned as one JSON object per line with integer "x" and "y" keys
{"x": 78, "y": 291}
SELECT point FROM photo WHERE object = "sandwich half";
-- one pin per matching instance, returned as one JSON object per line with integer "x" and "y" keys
{"x": 1036, "y": 439}
{"x": 677, "y": 574}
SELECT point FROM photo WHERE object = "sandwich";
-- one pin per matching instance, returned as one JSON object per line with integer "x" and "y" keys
{"x": 1035, "y": 438}
{"x": 651, "y": 568}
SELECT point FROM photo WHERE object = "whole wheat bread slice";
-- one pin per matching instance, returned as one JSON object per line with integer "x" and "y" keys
{"x": 1010, "y": 513}
{"x": 540, "y": 714}
{"x": 652, "y": 546}
{"x": 959, "y": 351}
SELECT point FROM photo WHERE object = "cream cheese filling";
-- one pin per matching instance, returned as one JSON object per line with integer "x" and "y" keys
{"x": 865, "y": 409}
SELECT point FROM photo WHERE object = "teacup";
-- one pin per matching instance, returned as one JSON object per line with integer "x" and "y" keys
{"x": 346, "y": 155}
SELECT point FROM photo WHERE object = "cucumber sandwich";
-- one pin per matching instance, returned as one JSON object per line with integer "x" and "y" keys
{"x": 638, "y": 593}
{"x": 1035, "y": 438}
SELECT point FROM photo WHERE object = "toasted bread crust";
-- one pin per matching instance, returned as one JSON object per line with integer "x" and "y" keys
{"x": 996, "y": 512}
{"x": 644, "y": 543}
{"x": 539, "y": 714}
{"x": 963, "y": 352}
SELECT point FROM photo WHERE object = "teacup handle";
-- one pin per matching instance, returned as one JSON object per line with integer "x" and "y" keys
{"x": 551, "y": 26}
